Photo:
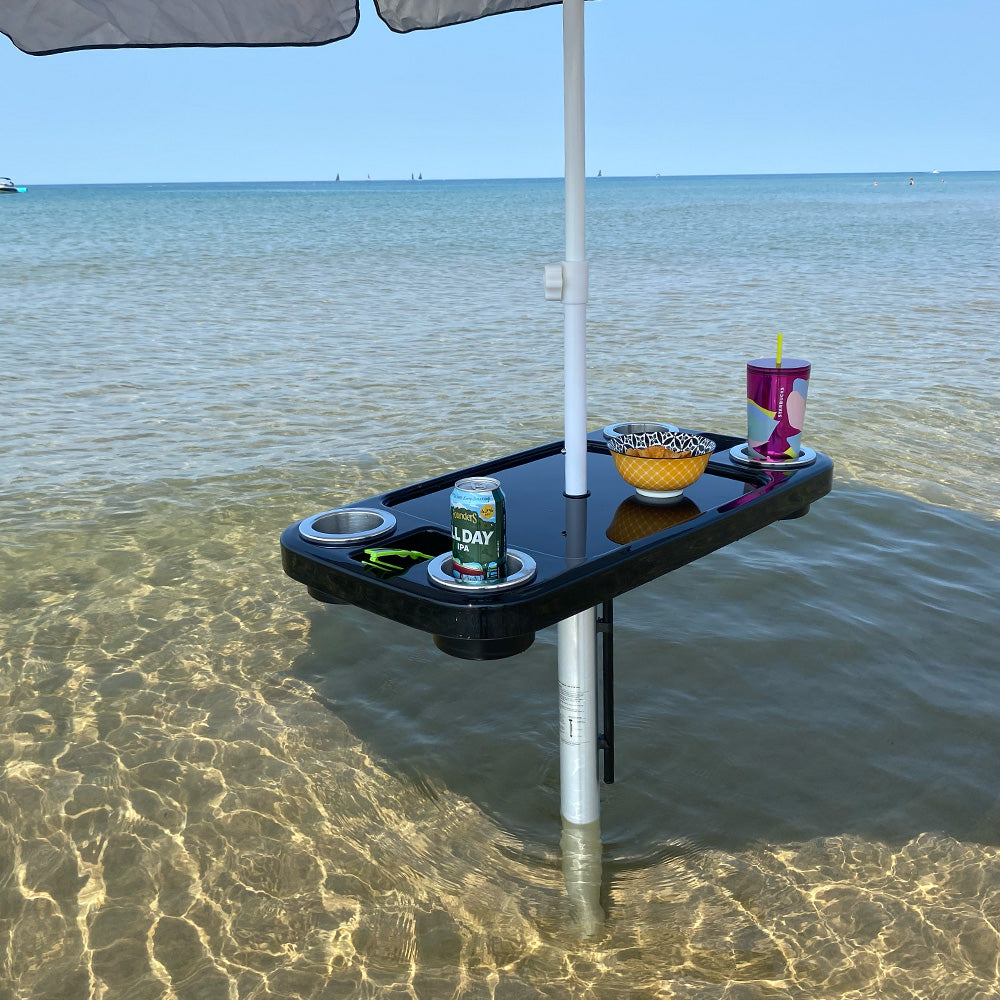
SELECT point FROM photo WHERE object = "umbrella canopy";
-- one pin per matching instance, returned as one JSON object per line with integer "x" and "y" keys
{"x": 42, "y": 27}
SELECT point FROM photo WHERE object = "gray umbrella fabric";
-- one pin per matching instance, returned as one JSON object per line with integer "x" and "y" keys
{"x": 43, "y": 27}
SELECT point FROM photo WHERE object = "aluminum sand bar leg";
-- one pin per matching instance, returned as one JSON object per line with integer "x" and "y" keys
{"x": 578, "y": 731}
{"x": 578, "y": 784}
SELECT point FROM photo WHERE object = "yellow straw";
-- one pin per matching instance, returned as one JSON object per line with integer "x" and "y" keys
{"x": 777, "y": 356}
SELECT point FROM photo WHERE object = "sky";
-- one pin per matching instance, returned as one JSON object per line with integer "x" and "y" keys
{"x": 717, "y": 87}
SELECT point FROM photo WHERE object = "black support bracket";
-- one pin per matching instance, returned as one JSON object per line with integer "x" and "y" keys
{"x": 606, "y": 738}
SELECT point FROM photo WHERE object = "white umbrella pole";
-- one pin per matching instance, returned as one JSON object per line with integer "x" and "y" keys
{"x": 574, "y": 286}
{"x": 578, "y": 784}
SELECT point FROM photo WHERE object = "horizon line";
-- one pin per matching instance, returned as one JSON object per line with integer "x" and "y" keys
{"x": 552, "y": 177}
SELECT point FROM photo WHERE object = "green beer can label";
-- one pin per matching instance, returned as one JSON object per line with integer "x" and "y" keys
{"x": 478, "y": 531}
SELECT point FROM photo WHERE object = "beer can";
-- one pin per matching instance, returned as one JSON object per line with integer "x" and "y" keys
{"x": 478, "y": 531}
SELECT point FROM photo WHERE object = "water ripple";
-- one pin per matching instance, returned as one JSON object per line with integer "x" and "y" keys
{"x": 212, "y": 787}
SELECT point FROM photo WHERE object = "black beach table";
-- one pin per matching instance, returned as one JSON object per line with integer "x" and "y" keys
{"x": 584, "y": 551}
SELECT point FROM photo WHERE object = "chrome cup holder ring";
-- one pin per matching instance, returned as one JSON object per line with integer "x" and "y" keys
{"x": 741, "y": 453}
{"x": 521, "y": 566}
{"x": 636, "y": 427}
{"x": 347, "y": 526}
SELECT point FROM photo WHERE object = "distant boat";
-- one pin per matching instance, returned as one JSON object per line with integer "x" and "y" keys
{"x": 7, "y": 186}
{"x": 338, "y": 177}
{"x": 598, "y": 173}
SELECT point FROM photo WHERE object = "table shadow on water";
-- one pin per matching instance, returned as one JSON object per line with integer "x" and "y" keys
{"x": 832, "y": 675}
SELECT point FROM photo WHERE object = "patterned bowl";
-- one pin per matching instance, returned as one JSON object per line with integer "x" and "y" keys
{"x": 661, "y": 478}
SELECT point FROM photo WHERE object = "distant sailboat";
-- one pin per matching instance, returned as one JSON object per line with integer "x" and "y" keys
{"x": 598, "y": 173}
{"x": 420, "y": 177}
{"x": 338, "y": 177}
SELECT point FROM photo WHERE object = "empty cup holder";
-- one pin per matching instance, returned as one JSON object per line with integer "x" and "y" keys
{"x": 347, "y": 526}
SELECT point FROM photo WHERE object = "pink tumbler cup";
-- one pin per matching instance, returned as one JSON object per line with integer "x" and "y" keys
{"x": 776, "y": 408}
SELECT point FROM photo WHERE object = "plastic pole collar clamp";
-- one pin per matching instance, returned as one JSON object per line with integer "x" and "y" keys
{"x": 568, "y": 282}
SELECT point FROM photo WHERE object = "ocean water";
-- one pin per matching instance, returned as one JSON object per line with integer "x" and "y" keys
{"x": 212, "y": 786}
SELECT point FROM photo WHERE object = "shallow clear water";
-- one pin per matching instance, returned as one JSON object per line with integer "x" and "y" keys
{"x": 213, "y": 786}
